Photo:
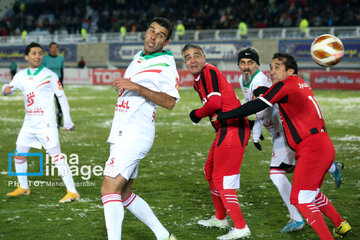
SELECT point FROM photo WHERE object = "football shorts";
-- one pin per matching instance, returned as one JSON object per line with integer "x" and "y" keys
{"x": 35, "y": 138}
{"x": 282, "y": 153}
{"x": 125, "y": 160}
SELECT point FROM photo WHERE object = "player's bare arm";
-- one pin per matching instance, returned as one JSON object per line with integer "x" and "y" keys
{"x": 159, "y": 98}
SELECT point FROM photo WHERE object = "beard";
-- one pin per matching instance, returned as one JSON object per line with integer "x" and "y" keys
{"x": 246, "y": 78}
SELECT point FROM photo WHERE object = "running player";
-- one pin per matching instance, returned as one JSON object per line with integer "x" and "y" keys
{"x": 149, "y": 82}
{"x": 305, "y": 131}
{"x": 222, "y": 166}
{"x": 39, "y": 84}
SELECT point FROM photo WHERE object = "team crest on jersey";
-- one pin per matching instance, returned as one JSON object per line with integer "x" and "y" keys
{"x": 31, "y": 77}
{"x": 30, "y": 99}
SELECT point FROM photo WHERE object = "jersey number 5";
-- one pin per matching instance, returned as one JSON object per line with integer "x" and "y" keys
{"x": 316, "y": 106}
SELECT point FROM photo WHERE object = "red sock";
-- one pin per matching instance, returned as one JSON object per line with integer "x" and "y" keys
{"x": 313, "y": 216}
{"x": 231, "y": 203}
{"x": 220, "y": 211}
{"x": 326, "y": 207}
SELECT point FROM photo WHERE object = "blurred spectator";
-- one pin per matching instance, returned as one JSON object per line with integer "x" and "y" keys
{"x": 81, "y": 63}
{"x": 13, "y": 67}
{"x": 243, "y": 29}
{"x": 107, "y": 16}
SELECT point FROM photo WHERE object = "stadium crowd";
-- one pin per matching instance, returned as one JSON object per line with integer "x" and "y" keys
{"x": 70, "y": 16}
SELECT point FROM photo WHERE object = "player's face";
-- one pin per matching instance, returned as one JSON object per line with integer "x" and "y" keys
{"x": 34, "y": 57}
{"x": 194, "y": 60}
{"x": 248, "y": 67}
{"x": 53, "y": 50}
{"x": 155, "y": 39}
{"x": 278, "y": 72}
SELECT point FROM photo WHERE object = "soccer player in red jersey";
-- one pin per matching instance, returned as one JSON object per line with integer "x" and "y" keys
{"x": 306, "y": 134}
{"x": 226, "y": 153}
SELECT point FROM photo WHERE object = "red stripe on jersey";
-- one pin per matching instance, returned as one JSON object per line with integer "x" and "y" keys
{"x": 43, "y": 84}
{"x": 151, "y": 70}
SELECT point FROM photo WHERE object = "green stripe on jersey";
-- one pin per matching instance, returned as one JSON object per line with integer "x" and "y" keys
{"x": 155, "y": 54}
{"x": 158, "y": 64}
{"x": 36, "y": 72}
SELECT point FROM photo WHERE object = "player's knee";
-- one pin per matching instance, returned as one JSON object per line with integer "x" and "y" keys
{"x": 110, "y": 185}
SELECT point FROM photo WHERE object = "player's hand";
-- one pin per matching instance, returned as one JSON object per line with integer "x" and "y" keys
{"x": 7, "y": 90}
{"x": 124, "y": 83}
{"x": 193, "y": 117}
{"x": 258, "y": 146}
{"x": 71, "y": 129}
{"x": 214, "y": 118}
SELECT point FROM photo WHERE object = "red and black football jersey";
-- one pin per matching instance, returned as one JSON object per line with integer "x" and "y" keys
{"x": 211, "y": 82}
{"x": 300, "y": 112}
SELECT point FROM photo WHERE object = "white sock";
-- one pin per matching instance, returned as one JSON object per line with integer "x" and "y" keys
{"x": 21, "y": 167}
{"x": 64, "y": 172}
{"x": 137, "y": 206}
{"x": 284, "y": 186}
{"x": 114, "y": 215}
{"x": 332, "y": 168}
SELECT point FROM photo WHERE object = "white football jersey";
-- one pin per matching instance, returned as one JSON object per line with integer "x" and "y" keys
{"x": 269, "y": 117}
{"x": 38, "y": 87}
{"x": 134, "y": 117}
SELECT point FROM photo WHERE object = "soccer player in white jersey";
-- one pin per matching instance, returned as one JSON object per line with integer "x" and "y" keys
{"x": 39, "y": 84}
{"x": 282, "y": 159}
{"x": 149, "y": 82}
{"x": 253, "y": 83}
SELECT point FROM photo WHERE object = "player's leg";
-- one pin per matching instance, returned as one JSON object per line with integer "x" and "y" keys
{"x": 113, "y": 207}
{"x": 283, "y": 159}
{"x": 335, "y": 171}
{"x": 219, "y": 219}
{"x": 64, "y": 172}
{"x": 141, "y": 209}
{"x": 21, "y": 166}
{"x": 226, "y": 177}
{"x": 315, "y": 155}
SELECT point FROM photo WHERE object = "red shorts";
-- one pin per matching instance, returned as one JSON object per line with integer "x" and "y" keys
{"x": 314, "y": 156}
{"x": 224, "y": 160}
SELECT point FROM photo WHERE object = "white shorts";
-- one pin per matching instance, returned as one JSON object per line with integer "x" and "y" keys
{"x": 35, "y": 138}
{"x": 125, "y": 160}
{"x": 282, "y": 153}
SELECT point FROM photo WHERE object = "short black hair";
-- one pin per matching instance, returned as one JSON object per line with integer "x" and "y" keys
{"x": 164, "y": 23}
{"x": 30, "y": 46}
{"x": 53, "y": 43}
{"x": 288, "y": 60}
{"x": 189, "y": 46}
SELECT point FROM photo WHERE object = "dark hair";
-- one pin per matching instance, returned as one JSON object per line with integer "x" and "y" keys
{"x": 53, "y": 43}
{"x": 288, "y": 60}
{"x": 189, "y": 46}
{"x": 164, "y": 23}
{"x": 30, "y": 46}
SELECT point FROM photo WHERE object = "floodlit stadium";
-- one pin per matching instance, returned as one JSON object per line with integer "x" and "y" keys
{"x": 106, "y": 35}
